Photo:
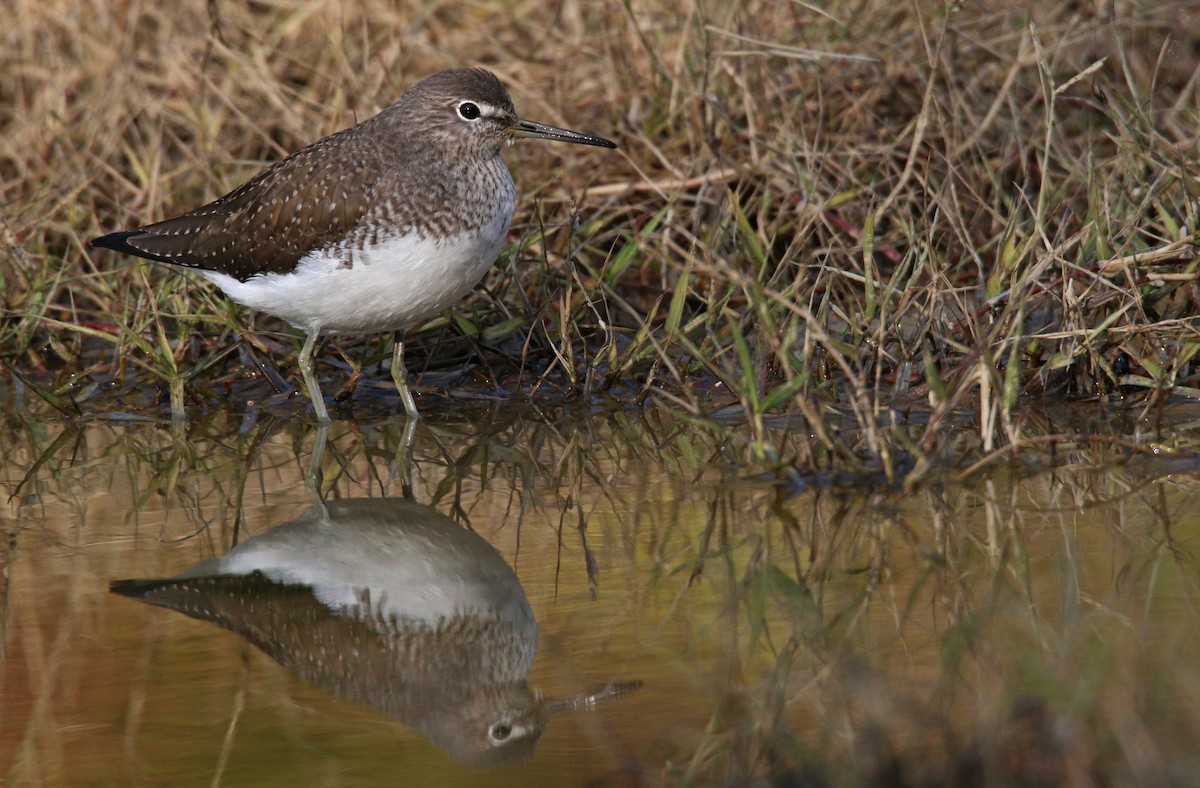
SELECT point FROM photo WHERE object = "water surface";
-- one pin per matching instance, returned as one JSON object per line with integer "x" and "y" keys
{"x": 1034, "y": 622}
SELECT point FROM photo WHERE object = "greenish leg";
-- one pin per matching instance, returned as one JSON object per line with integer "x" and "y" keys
{"x": 310, "y": 379}
{"x": 400, "y": 378}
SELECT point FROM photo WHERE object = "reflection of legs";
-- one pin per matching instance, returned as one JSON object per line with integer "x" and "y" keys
{"x": 400, "y": 377}
{"x": 310, "y": 379}
{"x": 404, "y": 458}
{"x": 314, "y": 478}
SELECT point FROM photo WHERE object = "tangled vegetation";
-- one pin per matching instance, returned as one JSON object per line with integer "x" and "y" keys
{"x": 868, "y": 215}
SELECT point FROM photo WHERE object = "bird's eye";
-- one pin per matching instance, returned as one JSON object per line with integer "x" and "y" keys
{"x": 469, "y": 110}
{"x": 500, "y": 731}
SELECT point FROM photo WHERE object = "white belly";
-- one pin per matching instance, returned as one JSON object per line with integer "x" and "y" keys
{"x": 399, "y": 282}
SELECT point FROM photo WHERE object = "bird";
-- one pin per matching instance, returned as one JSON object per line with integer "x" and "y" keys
{"x": 388, "y": 603}
{"x": 372, "y": 229}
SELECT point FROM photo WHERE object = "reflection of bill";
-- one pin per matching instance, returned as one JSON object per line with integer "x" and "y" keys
{"x": 393, "y": 605}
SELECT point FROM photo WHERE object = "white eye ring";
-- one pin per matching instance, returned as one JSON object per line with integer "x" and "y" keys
{"x": 469, "y": 110}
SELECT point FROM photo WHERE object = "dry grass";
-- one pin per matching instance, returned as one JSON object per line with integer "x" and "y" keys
{"x": 861, "y": 210}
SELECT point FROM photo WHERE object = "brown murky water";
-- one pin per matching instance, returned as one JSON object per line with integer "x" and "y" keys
{"x": 1034, "y": 624}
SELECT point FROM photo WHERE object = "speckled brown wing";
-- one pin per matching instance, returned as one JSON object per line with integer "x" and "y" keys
{"x": 313, "y": 199}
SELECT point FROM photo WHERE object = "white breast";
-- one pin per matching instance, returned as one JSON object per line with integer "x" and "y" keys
{"x": 398, "y": 282}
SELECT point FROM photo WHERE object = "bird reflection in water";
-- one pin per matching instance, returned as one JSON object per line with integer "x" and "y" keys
{"x": 393, "y": 605}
